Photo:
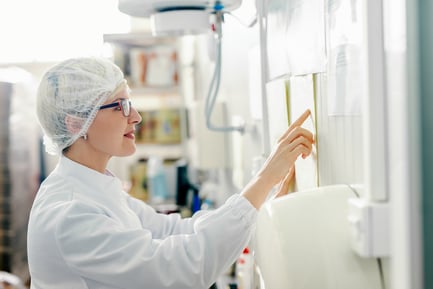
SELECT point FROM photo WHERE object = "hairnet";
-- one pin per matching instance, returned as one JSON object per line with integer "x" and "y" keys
{"x": 69, "y": 97}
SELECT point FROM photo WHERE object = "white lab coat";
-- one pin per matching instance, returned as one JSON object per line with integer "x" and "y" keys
{"x": 85, "y": 232}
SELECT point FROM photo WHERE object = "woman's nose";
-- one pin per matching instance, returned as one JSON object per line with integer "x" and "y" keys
{"x": 135, "y": 117}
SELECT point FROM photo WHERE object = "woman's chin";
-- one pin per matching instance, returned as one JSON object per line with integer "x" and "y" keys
{"x": 127, "y": 151}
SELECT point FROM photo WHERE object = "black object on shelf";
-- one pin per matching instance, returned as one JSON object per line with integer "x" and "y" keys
{"x": 5, "y": 187}
{"x": 184, "y": 186}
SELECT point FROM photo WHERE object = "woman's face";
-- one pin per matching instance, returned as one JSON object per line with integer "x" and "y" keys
{"x": 112, "y": 133}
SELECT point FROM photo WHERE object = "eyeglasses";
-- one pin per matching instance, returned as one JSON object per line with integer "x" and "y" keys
{"x": 124, "y": 105}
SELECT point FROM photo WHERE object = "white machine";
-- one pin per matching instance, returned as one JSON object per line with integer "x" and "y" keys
{"x": 177, "y": 16}
{"x": 302, "y": 242}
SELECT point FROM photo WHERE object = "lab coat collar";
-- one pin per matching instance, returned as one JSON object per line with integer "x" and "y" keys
{"x": 96, "y": 181}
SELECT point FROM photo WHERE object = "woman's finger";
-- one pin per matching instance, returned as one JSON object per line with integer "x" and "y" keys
{"x": 301, "y": 140}
{"x": 296, "y": 123}
{"x": 299, "y": 132}
{"x": 301, "y": 119}
{"x": 302, "y": 150}
{"x": 285, "y": 183}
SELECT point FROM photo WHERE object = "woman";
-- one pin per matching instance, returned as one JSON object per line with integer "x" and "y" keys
{"x": 85, "y": 232}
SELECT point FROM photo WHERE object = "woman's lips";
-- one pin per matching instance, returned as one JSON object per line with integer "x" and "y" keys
{"x": 130, "y": 135}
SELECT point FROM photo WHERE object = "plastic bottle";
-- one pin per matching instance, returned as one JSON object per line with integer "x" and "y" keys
{"x": 156, "y": 180}
{"x": 138, "y": 175}
{"x": 244, "y": 269}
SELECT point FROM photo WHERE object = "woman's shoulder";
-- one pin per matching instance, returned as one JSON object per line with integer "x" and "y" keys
{"x": 59, "y": 193}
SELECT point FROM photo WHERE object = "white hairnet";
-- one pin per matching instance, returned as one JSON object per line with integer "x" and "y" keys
{"x": 71, "y": 92}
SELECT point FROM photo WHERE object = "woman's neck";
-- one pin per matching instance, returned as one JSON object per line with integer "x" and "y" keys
{"x": 91, "y": 159}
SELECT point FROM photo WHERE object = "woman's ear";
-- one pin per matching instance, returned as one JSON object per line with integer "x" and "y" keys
{"x": 73, "y": 124}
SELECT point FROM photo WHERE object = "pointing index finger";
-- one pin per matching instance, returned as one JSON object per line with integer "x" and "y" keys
{"x": 296, "y": 123}
{"x": 301, "y": 119}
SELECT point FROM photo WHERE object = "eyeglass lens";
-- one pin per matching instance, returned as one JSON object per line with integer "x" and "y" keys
{"x": 126, "y": 106}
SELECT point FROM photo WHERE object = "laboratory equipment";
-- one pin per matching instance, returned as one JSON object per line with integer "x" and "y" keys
{"x": 174, "y": 17}
{"x": 177, "y": 16}
{"x": 302, "y": 242}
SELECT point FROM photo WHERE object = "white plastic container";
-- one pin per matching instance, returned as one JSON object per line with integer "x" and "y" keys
{"x": 244, "y": 270}
{"x": 157, "y": 182}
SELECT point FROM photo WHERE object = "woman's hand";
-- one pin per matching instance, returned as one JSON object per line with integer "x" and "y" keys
{"x": 295, "y": 142}
{"x": 284, "y": 186}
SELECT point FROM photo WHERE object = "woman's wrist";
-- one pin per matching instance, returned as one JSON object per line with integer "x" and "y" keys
{"x": 256, "y": 190}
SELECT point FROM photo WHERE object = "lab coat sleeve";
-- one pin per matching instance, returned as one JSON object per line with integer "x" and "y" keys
{"x": 99, "y": 249}
{"x": 162, "y": 225}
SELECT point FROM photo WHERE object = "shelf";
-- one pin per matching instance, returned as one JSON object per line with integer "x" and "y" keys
{"x": 165, "y": 151}
{"x": 146, "y": 103}
{"x": 160, "y": 91}
{"x": 138, "y": 39}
